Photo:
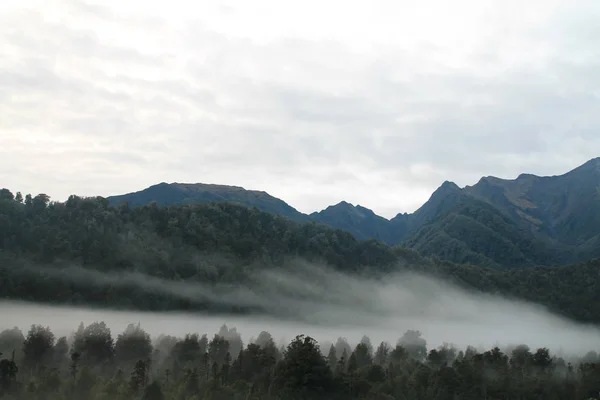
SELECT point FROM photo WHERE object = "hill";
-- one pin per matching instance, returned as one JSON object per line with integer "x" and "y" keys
{"x": 165, "y": 194}
{"x": 362, "y": 222}
{"x": 84, "y": 251}
{"x": 527, "y": 221}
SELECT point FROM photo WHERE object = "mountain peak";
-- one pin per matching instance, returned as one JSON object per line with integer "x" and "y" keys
{"x": 342, "y": 204}
{"x": 447, "y": 187}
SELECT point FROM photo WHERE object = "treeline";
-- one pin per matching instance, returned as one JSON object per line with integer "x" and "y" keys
{"x": 222, "y": 242}
{"x": 160, "y": 239}
{"x": 91, "y": 364}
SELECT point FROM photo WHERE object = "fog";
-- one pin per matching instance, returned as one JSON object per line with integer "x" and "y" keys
{"x": 307, "y": 299}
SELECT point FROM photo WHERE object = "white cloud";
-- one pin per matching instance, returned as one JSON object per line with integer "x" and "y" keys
{"x": 375, "y": 103}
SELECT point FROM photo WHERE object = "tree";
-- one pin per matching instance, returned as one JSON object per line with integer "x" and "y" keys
{"x": 266, "y": 342}
{"x": 61, "y": 350}
{"x": 332, "y": 358}
{"x": 190, "y": 349}
{"x": 94, "y": 343}
{"x": 414, "y": 344}
{"x": 363, "y": 354}
{"x": 542, "y": 360}
{"x": 10, "y": 340}
{"x": 75, "y": 356}
{"x": 139, "y": 376}
{"x": 8, "y": 374}
{"x": 382, "y": 353}
{"x": 341, "y": 347}
{"x": 398, "y": 355}
{"x": 233, "y": 338}
{"x": 132, "y": 345}
{"x": 254, "y": 365}
{"x": 40, "y": 202}
{"x": 6, "y": 194}
{"x": 37, "y": 347}
{"x": 303, "y": 373}
{"x": 352, "y": 363}
{"x": 218, "y": 348}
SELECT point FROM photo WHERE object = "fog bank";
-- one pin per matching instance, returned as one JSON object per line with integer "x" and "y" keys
{"x": 308, "y": 299}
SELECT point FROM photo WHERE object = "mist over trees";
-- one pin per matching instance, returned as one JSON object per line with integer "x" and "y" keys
{"x": 93, "y": 363}
{"x": 224, "y": 242}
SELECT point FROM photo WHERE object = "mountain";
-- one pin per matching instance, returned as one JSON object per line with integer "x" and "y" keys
{"x": 360, "y": 221}
{"x": 527, "y": 221}
{"x": 165, "y": 194}
{"x": 474, "y": 232}
{"x": 530, "y": 220}
{"x": 564, "y": 208}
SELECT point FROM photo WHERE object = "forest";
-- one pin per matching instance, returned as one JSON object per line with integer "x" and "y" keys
{"x": 91, "y": 363}
{"x": 46, "y": 247}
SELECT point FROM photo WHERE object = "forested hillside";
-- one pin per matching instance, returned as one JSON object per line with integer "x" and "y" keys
{"x": 48, "y": 251}
{"x": 527, "y": 221}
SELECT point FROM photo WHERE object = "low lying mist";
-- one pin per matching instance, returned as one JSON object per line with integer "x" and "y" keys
{"x": 304, "y": 298}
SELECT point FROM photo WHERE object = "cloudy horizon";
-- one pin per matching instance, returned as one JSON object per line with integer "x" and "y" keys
{"x": 375, "y": 103}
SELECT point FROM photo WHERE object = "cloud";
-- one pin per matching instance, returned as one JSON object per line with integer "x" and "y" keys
{"x": 109, "y": 97}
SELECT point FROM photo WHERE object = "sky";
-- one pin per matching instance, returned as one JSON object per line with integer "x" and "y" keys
{"x": 373, "y": 102}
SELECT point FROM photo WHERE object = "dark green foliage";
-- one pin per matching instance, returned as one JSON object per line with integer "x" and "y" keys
{"x": 38, "y": 346}
{"x": 68, "y": 252}
{"x": 94, "y": 344}
{"x": 304, "y": 373}
{"x": 139, "y": 376}
{"x": 473, "y": 232}
{"x": 8, "y": 375}
{"x": 132, "y": 345}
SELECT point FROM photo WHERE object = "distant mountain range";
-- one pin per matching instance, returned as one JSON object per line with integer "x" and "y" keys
{"x": 530, "y": 220}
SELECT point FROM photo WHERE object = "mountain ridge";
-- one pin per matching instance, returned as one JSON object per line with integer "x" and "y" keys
{"x": 557, "y": 217}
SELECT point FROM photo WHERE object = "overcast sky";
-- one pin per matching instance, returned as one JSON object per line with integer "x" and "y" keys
{"x": 373, "y": 102}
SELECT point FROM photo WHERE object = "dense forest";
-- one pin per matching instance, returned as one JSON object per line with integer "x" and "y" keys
{"x": 92, "y": 364}
{"x": 49, "y": 249}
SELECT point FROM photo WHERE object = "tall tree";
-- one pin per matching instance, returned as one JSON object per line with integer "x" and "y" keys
{"x": 94, "y": 343}
{"x": 37, "y": 347}
{"x": 133, "y": 345}
{"x": 303, "y": 373}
